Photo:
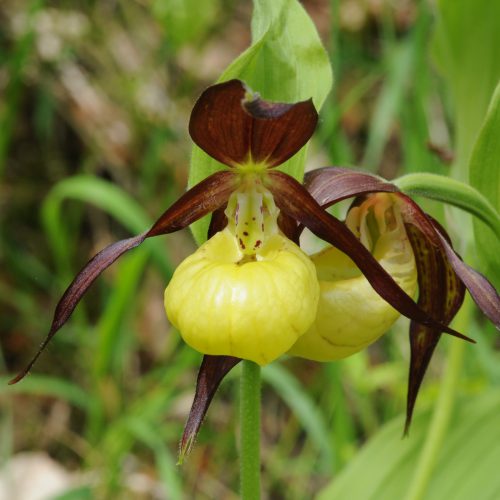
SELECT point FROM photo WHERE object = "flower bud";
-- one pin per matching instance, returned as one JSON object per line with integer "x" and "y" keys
{"x": 250, "y": 306}
{"x": 351, "y": 315}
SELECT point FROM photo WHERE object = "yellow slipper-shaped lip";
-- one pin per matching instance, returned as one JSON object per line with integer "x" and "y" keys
{"x": 225, "y": 303}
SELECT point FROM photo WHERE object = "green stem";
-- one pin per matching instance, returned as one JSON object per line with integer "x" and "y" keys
{"x": 442, "y": 412}
{"x": 250, "y": 431}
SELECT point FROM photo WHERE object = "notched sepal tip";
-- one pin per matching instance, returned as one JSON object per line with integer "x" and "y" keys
{"x": 233, "y": 125}
{"x": 268, "y": 110}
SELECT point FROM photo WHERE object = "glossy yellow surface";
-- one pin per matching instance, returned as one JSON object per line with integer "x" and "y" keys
{"x": 255, "y": 308}
{"x": 351, "y": 315}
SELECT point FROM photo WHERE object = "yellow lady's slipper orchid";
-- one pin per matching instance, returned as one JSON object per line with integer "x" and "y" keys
{"x": 351, "y": 315}
{"x": 251, "y": 293}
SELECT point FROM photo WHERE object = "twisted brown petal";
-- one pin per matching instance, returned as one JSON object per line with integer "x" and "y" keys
{"x": 481, "y": 290}
{"x": 203, "y": 198}
{"x": 212, "y": 370}
{"x": 329, "y": 185}
{"x": 442, "y": 275}
{"x": 293, "y": 199}
{"x": 234, "y": 126}
{"x": 441, "y": 294}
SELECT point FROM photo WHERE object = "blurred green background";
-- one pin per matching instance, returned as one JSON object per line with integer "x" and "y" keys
{"x": 95, "y": 101}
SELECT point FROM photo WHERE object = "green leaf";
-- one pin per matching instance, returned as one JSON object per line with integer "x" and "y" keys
{"x": 459, "y": 194}
{"x": 286, "y": 62}
{"x": 484, "y": 172}
{"x": 383, "y": 468}
{"x": 466, "y": 49}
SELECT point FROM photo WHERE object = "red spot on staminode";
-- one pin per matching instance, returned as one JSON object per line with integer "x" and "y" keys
{"x": 242, "y": 245}
{"x": 245, "y": 233}
{"x": 258, "y": 243}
